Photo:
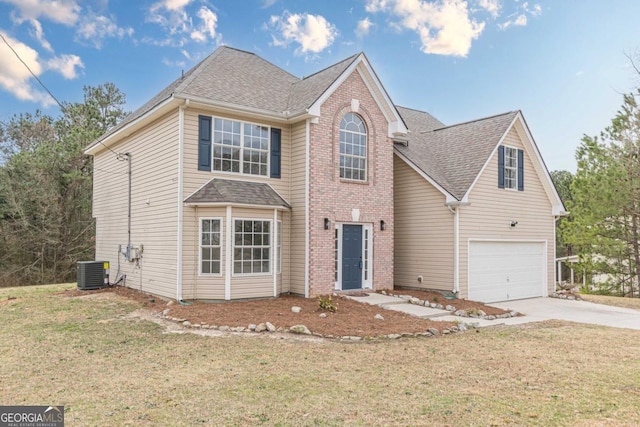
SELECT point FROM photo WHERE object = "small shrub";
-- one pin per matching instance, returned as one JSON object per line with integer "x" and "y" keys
{"x": 326, "y": 303}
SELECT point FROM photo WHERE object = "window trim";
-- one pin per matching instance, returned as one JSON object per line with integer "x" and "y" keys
{"x": 279, "y": 246}
{"x": 366, "y": 149}
{"x": 220, "y": 220}
{"x": 242, "y": 123}
{"x": 233, "y": 248}
{"x": 515, "y": 168}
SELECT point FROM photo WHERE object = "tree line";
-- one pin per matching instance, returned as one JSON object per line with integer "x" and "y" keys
{"x": 46, "y": 186}
{"x": 603, "y": 198}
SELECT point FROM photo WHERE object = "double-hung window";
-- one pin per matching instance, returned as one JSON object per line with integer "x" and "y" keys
{"x": 251, "y": 246}
{"x": 510, "y": 168}
{"x": 210, "y": 245}
{"x": 240, "y": 147}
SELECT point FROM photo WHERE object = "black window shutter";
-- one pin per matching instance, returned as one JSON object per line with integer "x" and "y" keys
{"x": 204, "y": 143}
{"x": 276, "y": 143}
{"x": 500, "y": 166}
{"x": 520, "y": 170}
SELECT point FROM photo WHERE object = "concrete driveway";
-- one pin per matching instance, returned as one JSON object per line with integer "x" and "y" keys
{"x": 538, "y": 309}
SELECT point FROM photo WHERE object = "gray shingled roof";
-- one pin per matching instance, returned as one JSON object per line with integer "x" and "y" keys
{"x": 452, "y": 155}
{"x": 237, "y": 192}
{"x": 244, "y": 79}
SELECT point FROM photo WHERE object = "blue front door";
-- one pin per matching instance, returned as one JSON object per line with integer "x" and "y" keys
{"x": 351, "y": 257}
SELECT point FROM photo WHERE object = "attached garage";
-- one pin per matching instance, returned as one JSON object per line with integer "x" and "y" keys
{"x": 506, "y": 270}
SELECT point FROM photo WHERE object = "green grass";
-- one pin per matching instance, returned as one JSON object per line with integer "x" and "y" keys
{"x": 109, "y": 369}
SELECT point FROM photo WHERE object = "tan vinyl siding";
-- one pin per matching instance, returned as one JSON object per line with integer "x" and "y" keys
{"x": 424, "y": 234}
{"x": 194, "y": 284}
{"x": 194, "y": 178}
{"x": 298, "y": 204}
{"x": 154, "y": 154}
{"x": 492, "y": 209}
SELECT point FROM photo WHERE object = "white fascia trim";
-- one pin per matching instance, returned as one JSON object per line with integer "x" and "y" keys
{"x": 558, "y": 206}
{"x": 237, "y": 205}
{"x": 465, "y": 198}
{"x": 306, "y": 207}
{"x": 396, "y": 125}
{"x": 202, "y": 102}
{"x": 136, "y": 124}
{"x": 450, "y": 199}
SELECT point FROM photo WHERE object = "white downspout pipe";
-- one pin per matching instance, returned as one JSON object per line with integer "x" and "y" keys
{"x": 180, "y": 197}
{"x": 455, "y": 210}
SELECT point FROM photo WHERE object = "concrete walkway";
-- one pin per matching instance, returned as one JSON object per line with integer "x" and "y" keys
{"x": 533, "y": 309}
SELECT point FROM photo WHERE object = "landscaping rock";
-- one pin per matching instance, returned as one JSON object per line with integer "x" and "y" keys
{"x": 252, "y": 327}
{"x": 323, "y": 315}
{"x": 462, "y": 327}
{"x": 415, "y": 300}
{"x": 433, "y": 331}
{"x": 449, "y": 308}
{"x": 224, "y": 328}
{"x": 270, "y": 327}
{"x": 295, "y": 309}
{"x": 490, "y": 317}
{"x": 406, "y": 297}
{"x": 186, "y": 323}
{"x": 165, "y": 312}
{"x": 378, "y": 317}
{"x": 514, "y": 314}
{"x": 393, "y": 336}
{"x": 237, "y": 329}
{"x": 440, "y": 306}
{"x": 446, "y": 332}
{"x": 171, "y": 302}
{"x": 481, "y": 313}
{"x": 261, "y": 327}
{"x": 461, "y": 313}
{"x": 433, "y": 305}
{"x": 300, "y": 329}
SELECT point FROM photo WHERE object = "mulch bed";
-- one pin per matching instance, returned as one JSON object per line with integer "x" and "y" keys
{"x": 352, "y": 318}
{"x": 459, "y": 304}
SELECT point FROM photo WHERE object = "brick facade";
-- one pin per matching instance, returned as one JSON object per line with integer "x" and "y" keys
{"x": 335, "y": 199}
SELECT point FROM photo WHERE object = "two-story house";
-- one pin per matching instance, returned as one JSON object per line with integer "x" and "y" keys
{"x": 240, "y": 180}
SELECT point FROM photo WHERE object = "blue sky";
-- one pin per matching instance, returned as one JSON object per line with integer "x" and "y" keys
{"x": 561, "y": 62}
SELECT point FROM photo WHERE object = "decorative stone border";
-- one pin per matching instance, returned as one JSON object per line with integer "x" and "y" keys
{"x": 561, "y": 295}
{"x": 268, "y": 327}
{"x": 472, "y": 313}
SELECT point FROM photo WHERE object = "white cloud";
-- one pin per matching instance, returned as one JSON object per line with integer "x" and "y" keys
{"x": 66, "y": 65}
{"x": 170, "y": 16}
{"x": 312, "y": 32}
{"x": 39, "y": 34}
{"x": 444, "y": 26}
{"x": 491, "y": 6}
{"x": 268, "y": 3}
{"x": 14, "y": 76}
{"x": 61, "y": 11}
{"x": 207, "y": 27}
{"x": 96, "y": 28}
{"x": 519, "y": 21}
{"x": 170, "y": 63}
{"x": 364, "y": 26}
{"x": 535, "y": 10}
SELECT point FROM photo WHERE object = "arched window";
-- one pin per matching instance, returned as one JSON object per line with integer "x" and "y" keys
{"x": 353, "y": 148}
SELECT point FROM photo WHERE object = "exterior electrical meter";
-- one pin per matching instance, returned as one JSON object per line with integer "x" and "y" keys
{"x": 92, "y": 274}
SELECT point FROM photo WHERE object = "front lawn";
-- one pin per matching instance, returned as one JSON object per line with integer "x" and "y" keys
{"x": 108, "y": 368}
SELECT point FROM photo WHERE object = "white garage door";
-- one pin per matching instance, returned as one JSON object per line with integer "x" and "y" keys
{"x": 501, "y": 271}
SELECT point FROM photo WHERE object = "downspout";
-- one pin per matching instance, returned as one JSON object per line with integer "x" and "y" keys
{"x": 180, "y": 201}
{"x": 456, "y": 248}
{"x": 556, "y": 275}
{"x": 306, "y": 207}
{"x": 128, "y": 155}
